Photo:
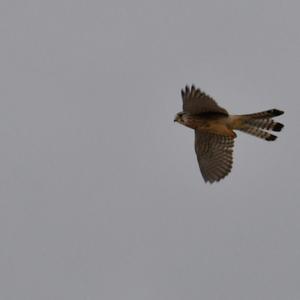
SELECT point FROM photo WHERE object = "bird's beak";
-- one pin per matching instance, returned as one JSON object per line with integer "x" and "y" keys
{"x": 176, "y": 118}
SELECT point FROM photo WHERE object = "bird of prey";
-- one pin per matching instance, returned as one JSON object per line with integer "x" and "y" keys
{"x": 214, "y": 130}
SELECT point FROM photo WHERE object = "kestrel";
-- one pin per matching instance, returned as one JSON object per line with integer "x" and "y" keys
{"x": 214, "y": 135}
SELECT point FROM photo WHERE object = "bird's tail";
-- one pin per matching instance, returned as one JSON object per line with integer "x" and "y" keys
{"x": 258, "y": 124}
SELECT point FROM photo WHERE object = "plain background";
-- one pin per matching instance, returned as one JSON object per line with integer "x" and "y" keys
{"x": 100, "y": 192}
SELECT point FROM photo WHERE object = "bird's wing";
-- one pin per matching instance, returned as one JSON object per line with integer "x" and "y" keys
{"x": 197, "y": 102}
{"x": 214, "y": 155}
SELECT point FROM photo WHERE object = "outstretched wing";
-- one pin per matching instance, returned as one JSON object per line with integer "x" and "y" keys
{"x": 197, "y": 102}
{"x": 214, "y": 155}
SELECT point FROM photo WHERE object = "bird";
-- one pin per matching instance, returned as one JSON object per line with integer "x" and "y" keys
{"x": 214, "y": 130}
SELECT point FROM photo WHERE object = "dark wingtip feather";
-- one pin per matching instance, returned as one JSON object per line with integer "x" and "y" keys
{"x": 278, "y": 127}
{"x": 276, "y": 112}
{"x": 271, "y": 137}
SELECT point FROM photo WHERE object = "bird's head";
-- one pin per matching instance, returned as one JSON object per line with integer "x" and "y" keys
{"x": 179, "y": 118}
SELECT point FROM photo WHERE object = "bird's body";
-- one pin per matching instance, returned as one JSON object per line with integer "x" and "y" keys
{"x": 209, "y": 122}
{"x": 214, "y": 130}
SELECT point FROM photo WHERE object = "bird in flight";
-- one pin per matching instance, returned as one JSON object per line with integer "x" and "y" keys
{"x": 214, "y": 130}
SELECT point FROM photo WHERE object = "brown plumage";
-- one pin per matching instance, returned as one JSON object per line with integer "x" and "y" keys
{"x": 214, "y": 130}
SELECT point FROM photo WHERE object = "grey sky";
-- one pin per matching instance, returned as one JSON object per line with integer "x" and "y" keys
{"x": 100, "y": 192}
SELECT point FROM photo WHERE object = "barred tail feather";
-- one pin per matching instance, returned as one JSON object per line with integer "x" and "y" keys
{"x": 267, "y": 124}
{"x": 257, "y": 124}
{"x": 258, "y": 133}
{"x": 271, "y": 113}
